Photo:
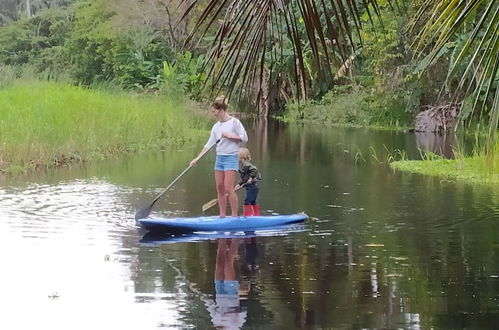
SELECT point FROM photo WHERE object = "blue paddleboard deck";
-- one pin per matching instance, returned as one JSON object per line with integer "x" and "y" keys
{"x": 215, "y": 223}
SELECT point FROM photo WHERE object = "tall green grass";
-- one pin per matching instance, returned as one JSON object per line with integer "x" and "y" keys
{"x": 48, "y": 124}
{"x": 480, "y": 167}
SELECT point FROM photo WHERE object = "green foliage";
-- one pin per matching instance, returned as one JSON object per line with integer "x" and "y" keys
{"x": 385, "y": 60}
{"x": 38, "y": 41}
{"x": 470, "y": 29}
{"x": 183, "y": 76}
{"x": 94, "y": 43}
{"x": 7, "y": 75}
{"x": 336, "y": 107}
{"x": 135, "y": 57}
{"x": 88, "y": 45}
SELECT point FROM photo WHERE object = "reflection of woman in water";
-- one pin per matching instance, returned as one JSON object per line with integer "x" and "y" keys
{"x": 227, "y": 312}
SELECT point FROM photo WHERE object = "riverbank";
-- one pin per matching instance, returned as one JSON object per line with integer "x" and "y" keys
{"x": 356, "y": 110}
{"x": 47, "y": 124}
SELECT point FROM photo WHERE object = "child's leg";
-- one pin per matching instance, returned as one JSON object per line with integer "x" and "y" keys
{"x": 256, "y": 209}
{"x": 251, "y": 194}
{"x": 247, "y": 210}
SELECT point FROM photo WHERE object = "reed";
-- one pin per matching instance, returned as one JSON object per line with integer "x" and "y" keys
{"x": 480, "y": 167}
{"x": 49, "y": 124}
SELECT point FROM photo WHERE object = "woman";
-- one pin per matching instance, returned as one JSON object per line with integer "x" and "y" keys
{"x": 230, "y": 133}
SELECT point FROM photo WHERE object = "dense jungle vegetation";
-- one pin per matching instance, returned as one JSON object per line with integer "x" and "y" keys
{"x": 363, "y": 63}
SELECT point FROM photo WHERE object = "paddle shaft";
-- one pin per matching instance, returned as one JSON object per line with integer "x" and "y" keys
{"x": 171, "y": 184}
{"x": 144, "y": 213}
{"x": 214, "y": 201}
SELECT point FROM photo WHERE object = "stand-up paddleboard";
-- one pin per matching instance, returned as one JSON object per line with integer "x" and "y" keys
{"x": 215, "y": 223}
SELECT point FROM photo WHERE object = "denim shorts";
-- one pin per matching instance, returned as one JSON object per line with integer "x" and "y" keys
{"x": 227, "y": 287}
{"x": 227, "y": 163}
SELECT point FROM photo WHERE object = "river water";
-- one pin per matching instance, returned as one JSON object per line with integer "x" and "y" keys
{"x": 381, "y": 249}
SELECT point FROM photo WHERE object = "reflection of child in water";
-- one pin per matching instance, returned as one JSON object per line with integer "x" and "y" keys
{"x": 227, "y": 311}
{"x": 250, "y": 255}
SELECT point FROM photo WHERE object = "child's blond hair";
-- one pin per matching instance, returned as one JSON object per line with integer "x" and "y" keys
{"x": 244, "y": 153}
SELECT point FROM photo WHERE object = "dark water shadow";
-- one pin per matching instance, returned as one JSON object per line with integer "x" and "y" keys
{"x": 154, "y": 239}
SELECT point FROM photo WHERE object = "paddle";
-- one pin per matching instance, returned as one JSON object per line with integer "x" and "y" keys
{"x": 144, "y": 212}
{"x": 214, "y": 201}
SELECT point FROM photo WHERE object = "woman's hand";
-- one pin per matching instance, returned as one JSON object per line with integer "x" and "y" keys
{"x": 193, "y": 162}
{"x": 231, "y": 136}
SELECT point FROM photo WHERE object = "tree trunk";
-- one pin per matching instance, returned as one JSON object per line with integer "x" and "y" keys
{"x": 263, "y": 95}
{"x": 28, "y": 9}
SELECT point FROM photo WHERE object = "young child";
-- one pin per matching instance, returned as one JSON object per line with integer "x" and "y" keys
{"x": 249, "y": 177}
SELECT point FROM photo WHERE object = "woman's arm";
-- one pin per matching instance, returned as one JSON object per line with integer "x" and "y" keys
{"x": 195, "y": 160}
{"x": 211, "y": 141}
{"x": 238, "y": 134}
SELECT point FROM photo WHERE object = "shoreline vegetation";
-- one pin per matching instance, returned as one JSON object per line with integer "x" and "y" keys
{"x": 49, "y": 124}
{"x": 351, "y": 110}
{"x": 476, "y": 169}
{"x": 149, "y": 67}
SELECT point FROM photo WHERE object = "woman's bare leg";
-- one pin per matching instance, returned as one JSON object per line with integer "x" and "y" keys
{"x": 229, "y": 190}
{"x": 221, "y": 194}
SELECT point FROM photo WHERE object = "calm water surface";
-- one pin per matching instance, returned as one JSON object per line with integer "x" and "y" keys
{"x": 381, "y": 250}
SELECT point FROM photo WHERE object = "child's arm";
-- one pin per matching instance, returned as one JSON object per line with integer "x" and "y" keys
{"x": 253, "y": 173}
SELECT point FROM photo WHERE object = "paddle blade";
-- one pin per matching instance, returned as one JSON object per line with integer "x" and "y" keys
{"x": 143, "y": 213}
{"x": 210, "y": 204}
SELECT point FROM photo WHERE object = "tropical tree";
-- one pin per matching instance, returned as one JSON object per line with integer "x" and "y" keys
{"x": 28, "y": 8}
{"x": 7, "y": 11}
{"x": 251, "y": 50}
{"x": 475, "y": 60}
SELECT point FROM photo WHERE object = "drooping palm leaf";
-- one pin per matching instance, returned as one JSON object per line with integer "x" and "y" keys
{"x": 252, "y": 37}
{"x": 480, "y": 53}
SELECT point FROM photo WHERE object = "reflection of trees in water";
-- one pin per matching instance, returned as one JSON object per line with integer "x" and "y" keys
{"x": 306, "y": 281}
{"x": 440, "y": 144}
{"x": 437, "y": 254}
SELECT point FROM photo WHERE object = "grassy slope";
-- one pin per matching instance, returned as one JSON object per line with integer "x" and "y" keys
{"x": 48, "y": 124}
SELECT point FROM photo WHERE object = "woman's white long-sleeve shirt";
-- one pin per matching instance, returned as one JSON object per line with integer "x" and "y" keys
{"x": 227, "y": 146}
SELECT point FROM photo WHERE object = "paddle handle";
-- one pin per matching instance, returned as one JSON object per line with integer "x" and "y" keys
{"x": 144, "y": 213}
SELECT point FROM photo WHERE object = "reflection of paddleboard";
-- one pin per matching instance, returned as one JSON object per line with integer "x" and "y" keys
{"x": 158, "y": 238}
{"x": 215, "y": 223}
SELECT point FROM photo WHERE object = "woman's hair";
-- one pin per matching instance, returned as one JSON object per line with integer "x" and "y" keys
{"x": 220, "y": 103}
{"x": 244, "y": 153}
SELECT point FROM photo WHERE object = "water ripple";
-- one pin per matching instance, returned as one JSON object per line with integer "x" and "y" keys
{"x": 84, "y": 206}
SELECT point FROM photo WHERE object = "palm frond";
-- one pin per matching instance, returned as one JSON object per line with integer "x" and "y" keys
{"x": 480, "y": 53}
{"x": 253, "y": 36}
